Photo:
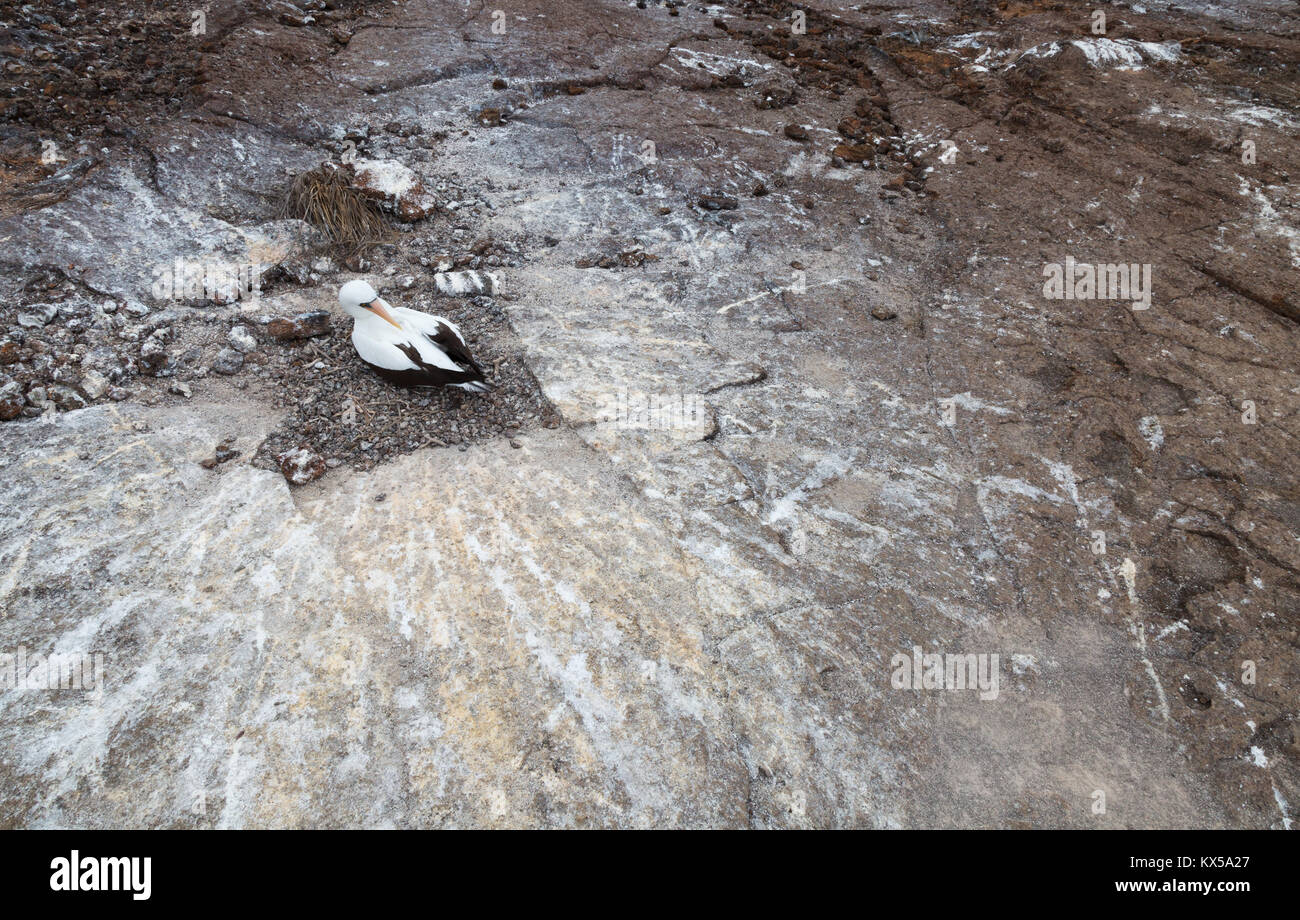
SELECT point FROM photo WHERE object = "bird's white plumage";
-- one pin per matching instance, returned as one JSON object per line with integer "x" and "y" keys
{"x": 386, "y": 345}
{"x": 377, "y": 340}
{"x": 353, "y": 294}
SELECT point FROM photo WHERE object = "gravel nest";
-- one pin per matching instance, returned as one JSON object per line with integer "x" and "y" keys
{"x": 338, "y": 410}
{"x": 344, "y": 413}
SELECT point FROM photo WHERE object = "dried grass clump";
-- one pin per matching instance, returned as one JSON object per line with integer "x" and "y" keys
{"x": 325, "y": 198}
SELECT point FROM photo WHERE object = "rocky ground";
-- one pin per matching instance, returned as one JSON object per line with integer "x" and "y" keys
{"x": 813, "y": 240}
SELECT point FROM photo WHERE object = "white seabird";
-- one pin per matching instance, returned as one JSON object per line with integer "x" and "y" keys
{"x": 407, "y": 347}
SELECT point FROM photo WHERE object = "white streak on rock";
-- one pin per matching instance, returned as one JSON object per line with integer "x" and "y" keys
{"x": 466, "y": 284}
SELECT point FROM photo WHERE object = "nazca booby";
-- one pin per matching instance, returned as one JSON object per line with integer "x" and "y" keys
{"x": 407, "y": 347}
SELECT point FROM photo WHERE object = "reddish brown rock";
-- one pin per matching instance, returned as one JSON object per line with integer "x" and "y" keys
{"x": 301, "y": 466}
{"x": 853, "y": 153}
{"x": 302, "y": 326}
{"x": 852, "y": 128}
{"x": 11, "y": 402}
{"x": 395, "y": 187}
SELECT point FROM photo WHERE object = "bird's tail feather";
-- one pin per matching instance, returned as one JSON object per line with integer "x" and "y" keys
{"x": 475, "y": 386}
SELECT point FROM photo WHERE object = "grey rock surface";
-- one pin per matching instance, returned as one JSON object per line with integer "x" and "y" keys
{"x": 685, "y": 604}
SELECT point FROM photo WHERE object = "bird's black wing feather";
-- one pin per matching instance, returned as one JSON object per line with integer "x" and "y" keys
{"x": 451, "y": 343}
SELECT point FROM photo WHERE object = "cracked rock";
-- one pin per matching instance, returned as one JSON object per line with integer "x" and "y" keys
{"x": 38, "y": 315}
{"x": 241, "y": 339}
{"x": 94, "y": 384}
{"x": 228, "y": 361}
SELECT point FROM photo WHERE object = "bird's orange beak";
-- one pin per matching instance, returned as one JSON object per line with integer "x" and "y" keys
{"x": 378, "y": 306}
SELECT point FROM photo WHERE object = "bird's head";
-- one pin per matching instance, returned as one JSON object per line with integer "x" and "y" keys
{"x": 358, "y": 299}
